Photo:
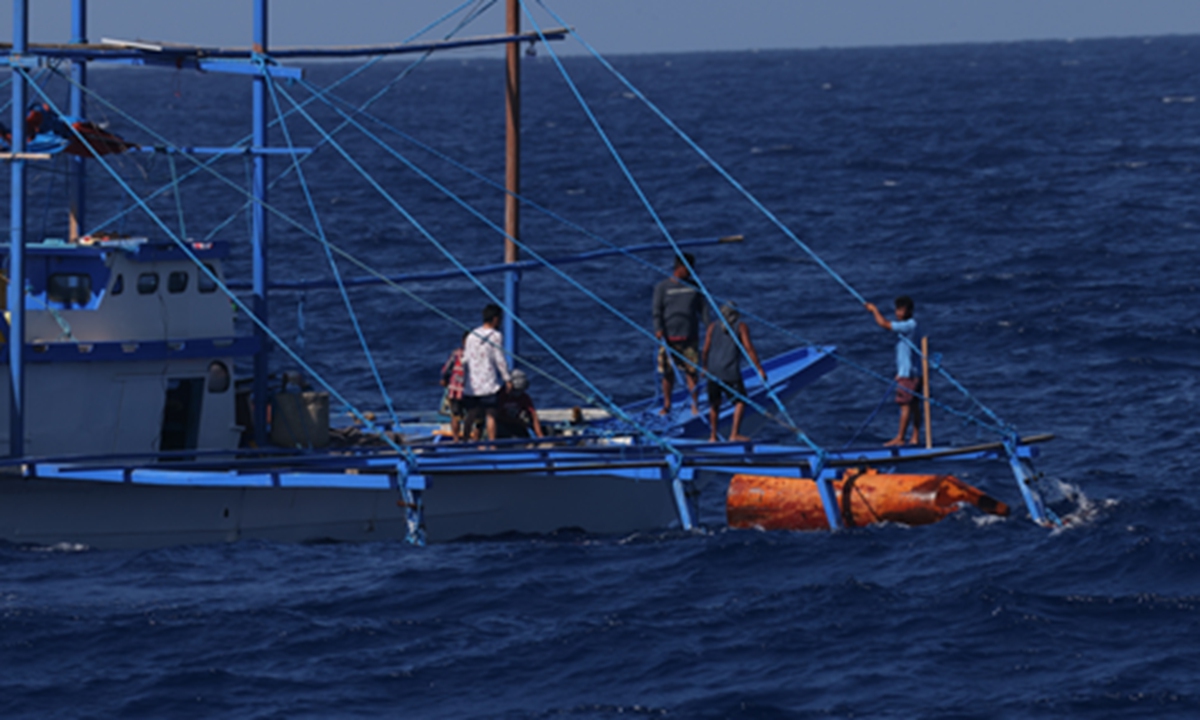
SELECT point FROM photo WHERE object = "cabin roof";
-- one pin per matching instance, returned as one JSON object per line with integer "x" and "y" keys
{"x": 136, "y": 249}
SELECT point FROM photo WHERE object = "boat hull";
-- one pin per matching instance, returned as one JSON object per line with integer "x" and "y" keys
{"x": 104, "y": 514}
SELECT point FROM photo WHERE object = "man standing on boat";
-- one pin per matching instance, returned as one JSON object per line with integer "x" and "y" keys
{"x": 678, "y": 308}
{"x": 908, "y": 374}
{"x": 485, "y": 371}
{"x": 722, "y": 359}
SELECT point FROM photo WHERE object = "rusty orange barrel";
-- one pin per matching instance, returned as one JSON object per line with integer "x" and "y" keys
{"x": 864, "y": 497}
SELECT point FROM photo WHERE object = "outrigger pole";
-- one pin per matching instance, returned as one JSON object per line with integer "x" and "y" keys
{"x": 16, "y": 248}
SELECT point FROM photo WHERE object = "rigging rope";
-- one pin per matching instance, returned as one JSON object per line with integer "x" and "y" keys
{"x": 320, "y": 228}
{"x": 794, "y": 336}
{"x": 484, "y": 5}
{"x": 202, "y": 267}
{"x": 748, "y": 195}
{"x": 201, "y": 165}
{"x": 597, "y": 393}
{"x": 786, "y": 422}
{"x": 679, "y": 254}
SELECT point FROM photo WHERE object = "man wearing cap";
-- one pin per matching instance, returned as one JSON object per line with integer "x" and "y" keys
{"x": 515, "y": 413}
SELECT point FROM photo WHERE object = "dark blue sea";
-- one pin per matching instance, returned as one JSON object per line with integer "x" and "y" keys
{"x": 1037, "y": 200}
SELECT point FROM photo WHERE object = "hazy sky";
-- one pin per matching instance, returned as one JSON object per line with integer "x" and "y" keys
{"x": 623, "y": 26}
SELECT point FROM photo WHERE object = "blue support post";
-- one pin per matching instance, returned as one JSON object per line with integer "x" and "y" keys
{"x": 412, "y": 491}
{"x": 1023, "y": 471}
{"x": 824, "y": 478}
{"x": 16, "y": 251}
{"x": 259, "y": 232}
{"x": 78, "y": 108}
{"x": 512, "y": 287}
{"x": 683, "y": 508}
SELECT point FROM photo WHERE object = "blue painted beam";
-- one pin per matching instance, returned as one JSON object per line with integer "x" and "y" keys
{"x": 16, "y": 251}
{"x": 210, "y": 150}
{"x": 77, "y": 165}
{"x": 259, "y": 233}
{"x": 174, "y": 54}
{"x": 180, "y": 62}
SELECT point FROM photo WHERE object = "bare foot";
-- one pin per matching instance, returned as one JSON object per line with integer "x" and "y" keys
{"x": 695, "y": 409}
{"x": 712, "y": 438}
{"x": 665, "y": 411}
{"x": 894, "y": 442}
{"x": 738, "y": 438}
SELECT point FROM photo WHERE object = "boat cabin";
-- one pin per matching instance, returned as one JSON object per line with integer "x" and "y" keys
{"x": 130, "y": 349}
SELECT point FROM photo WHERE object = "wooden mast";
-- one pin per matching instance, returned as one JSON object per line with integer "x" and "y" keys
{"x": 512, "y": 171}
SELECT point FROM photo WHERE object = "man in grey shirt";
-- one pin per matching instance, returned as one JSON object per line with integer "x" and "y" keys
{"x": 678, "y": 309}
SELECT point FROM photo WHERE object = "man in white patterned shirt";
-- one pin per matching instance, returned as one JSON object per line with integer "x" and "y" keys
{"x": 485, "y": 371}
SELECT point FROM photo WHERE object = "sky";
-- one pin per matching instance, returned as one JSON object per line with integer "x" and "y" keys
{"x": 634, "y": 26}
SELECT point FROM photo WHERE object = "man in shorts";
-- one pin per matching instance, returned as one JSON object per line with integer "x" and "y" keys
{"x": 485, "y": 371}
{"x": 722, "y": 358}
{"x": 908, "y": 374}
{"x": 678, "y": 309}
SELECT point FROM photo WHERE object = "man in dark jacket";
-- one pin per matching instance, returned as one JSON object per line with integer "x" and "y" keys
{"x": 678, "y": 308}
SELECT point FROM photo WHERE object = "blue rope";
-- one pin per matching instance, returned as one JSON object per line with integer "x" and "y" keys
{"x": 597, "y": 394}
{"x": 305, "y": 231}
{"x": 178, "y": 197}
{"x": 328, "y": 96}
{"x": 658, "y": 220}
{"x": 484, "y": 5}
{"x": 886, "y": 394}
{"x": 247, "y": 138}
{"x": 537, "y": 256}
{"x": 320, "y": 228}
{"x": 202, "y": 267}
{"x": 746, "y": 193}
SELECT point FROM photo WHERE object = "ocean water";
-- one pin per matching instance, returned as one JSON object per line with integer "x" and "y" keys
{"x": 1036, "y": 199}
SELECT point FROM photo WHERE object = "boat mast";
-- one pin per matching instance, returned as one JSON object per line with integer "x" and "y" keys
{"x": 259, "y": 228}
{"x": 16, "y": 248}
{"x": 77, "y": 170}
{"x": 512, "y": 174}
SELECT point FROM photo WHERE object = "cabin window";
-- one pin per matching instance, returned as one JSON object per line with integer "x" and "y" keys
{"x": 69, "y": 289}
{"x": 119, "y": 285}
{"x": 147, "y": 283}
{"x": 177, "y": 282}
{"x": 218, "y": 377}
{"x": 204, "y": 283}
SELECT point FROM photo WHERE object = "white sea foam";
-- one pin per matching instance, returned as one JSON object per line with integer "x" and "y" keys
{"x": 63, "y": 547}
{"x": 1083, "y": 510}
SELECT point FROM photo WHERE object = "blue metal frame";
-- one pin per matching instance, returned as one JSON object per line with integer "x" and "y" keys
{"x": 259, "y": 231}
{"x": 196, "y": 56}
{"x": 78, "y": 108}
{"x": 16, "y": 263}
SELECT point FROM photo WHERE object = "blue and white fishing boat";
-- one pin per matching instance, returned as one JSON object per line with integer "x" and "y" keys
{"x": 125, "y": 426}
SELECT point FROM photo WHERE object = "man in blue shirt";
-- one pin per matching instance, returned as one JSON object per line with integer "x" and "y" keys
{"x": 908, "y": 374}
